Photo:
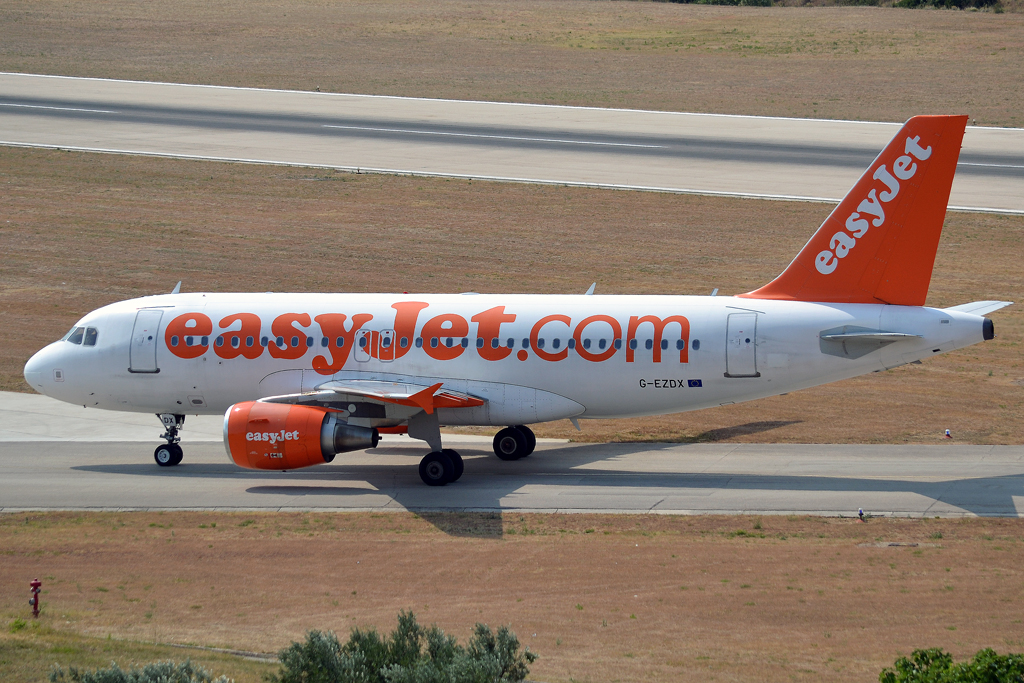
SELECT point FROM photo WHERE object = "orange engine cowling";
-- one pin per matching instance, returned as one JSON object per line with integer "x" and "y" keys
{"x": 279, "y": 436}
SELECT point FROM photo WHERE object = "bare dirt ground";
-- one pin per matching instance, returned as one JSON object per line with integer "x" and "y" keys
{"x": 600, "y": 598}
{"x": 80, "y": 231}
{"x": 870, "y": 63}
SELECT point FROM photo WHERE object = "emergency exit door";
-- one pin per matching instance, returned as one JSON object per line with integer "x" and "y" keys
{"x": 741, "y": 346}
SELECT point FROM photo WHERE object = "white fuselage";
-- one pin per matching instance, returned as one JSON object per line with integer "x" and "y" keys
{"x": 158, "y": 355}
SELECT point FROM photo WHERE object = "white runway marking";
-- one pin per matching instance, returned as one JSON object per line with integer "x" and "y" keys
{"x": 39, "y": 106}
{"x": 495, "y": 137}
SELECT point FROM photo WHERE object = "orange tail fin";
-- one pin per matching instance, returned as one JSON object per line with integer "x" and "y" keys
{"x": 878, "y": 245}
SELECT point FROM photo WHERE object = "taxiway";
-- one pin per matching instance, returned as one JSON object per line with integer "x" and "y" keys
{"x": 648, "y": 150}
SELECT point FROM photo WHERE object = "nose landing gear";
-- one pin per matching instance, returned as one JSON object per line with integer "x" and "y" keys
{"x": 170, "y": 453}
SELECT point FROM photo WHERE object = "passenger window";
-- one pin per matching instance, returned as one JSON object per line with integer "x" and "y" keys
{"x": 403, "y": 342}
{"x": 448, "y": 342}
{"x": 295, "y": 342}
{"x": 236, "y": 341}
{"x": 494, "y": 342}
{"x": 220, "y": 340}
{"x": 664, "y": 344}
{"x": 309, "y": 342}
{"x": 586, "y": 343}
{"x": 649, "y": 344}
{"x": 174, "y": 340}
{"x": 264, "y": 341}
{"x": 249, "y": 341}
{"x": 680, "y": 345}
{"x": 465, "y": 342}
{"x": 90, "y": 337}
{"x": 540, "y": 343}
{"x": 696, "y": 345}
{"x": 526, "y": 343}
{"x": 206, "y": 340}
{"x": 556, "y": 342}
{"x": 571, "y": 343}
{"x": 76, "y": 335}
{"x": 618, "y": 343}
{"x": 433, "y": 342}
{"x": 386, "y": 342}
{"x": 362, "y": 342}
{"x": 632, "y": 343}
{"x": 339, "y": 342}
{"x": 324, "y": 341}
{"x": 601, "y": 344}
{"x": 479, "y": 342}
{"x": 511, "y": 343}
{"x": 419, "y": 342}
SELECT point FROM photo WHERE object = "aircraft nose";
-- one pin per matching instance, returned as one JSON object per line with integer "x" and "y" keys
{"x": 39, "y": 368}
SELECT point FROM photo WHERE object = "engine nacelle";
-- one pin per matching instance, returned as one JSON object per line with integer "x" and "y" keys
{"x": 278, "y": 436}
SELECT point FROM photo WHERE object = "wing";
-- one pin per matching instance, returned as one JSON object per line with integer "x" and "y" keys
{"x": 379, "y": 404}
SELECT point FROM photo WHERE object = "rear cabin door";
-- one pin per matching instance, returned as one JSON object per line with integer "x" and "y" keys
{"x": 142, "y": 352}
{"x": 741, "y": 346}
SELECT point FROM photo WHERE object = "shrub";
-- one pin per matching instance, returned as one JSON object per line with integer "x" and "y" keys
{"x": 936, "y": 666}
{"x": 411, "y": 654}
{"x": 158, "y": 672}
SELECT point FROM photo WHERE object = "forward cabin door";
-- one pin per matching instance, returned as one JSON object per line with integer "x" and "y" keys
{"x": 741, "y": 346}
{"x": 142, "y": 352}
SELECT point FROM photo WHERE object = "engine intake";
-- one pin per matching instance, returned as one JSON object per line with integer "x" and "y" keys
{"x": 277, "y": 436}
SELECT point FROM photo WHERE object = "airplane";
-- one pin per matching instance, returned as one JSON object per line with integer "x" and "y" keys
{"x": 302, "y": 377}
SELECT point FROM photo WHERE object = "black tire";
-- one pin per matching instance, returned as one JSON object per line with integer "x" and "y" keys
{"x": 167, "y": 455}
{"x": 510, "y": 444}
{"x": 436, "y": 469}
{"x": 531, "y": 439}
{"x": 457, "y": 464}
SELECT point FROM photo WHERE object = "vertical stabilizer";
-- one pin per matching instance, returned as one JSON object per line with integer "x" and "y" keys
{"x": 878, "y": 245}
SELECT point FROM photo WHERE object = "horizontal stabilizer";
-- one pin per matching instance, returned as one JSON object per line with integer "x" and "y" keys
{"x": 885, "y": 337}
{"x": 979, "y": 307}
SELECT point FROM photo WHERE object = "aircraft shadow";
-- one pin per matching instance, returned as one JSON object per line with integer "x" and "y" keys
{"x": 474, "y": 505}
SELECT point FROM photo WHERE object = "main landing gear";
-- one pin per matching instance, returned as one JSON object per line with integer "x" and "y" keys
{"x": 169, "y": 454}
{"x": 513, "y": 443}
{"x": 441, "y": 467}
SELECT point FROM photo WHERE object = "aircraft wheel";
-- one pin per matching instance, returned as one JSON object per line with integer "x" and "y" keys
{"x": 457, "y": 464}
{"x": 510, "y": 444}
{"x": 531, "y": 438}
{"x": 436, "y": 469}
{"x": 168, "y": 454}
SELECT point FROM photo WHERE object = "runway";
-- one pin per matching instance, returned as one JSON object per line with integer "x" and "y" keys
{"x": 676, "y": 152}
{"x": 59, "y": 457}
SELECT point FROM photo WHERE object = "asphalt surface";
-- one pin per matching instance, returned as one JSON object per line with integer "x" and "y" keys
{"x": 59, "y": 457}
{"x": 679, "y": 152}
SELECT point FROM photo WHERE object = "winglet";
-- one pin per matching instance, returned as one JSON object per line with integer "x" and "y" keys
{"x": 425, "y": 399}
{"x": 879, "y": 244}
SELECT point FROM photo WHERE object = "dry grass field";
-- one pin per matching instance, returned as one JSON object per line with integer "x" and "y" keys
{"x": 81, "y": 230}
{"x": 604, "y": 599}
{"x": 830, "y": 62}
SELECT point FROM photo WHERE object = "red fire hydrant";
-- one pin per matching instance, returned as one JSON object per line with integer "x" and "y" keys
{"x": 34, "y": 600}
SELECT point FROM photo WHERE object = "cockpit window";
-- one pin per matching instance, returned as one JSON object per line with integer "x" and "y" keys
{"x": 76, "y": 334}
{"x": 90, "y": 337}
